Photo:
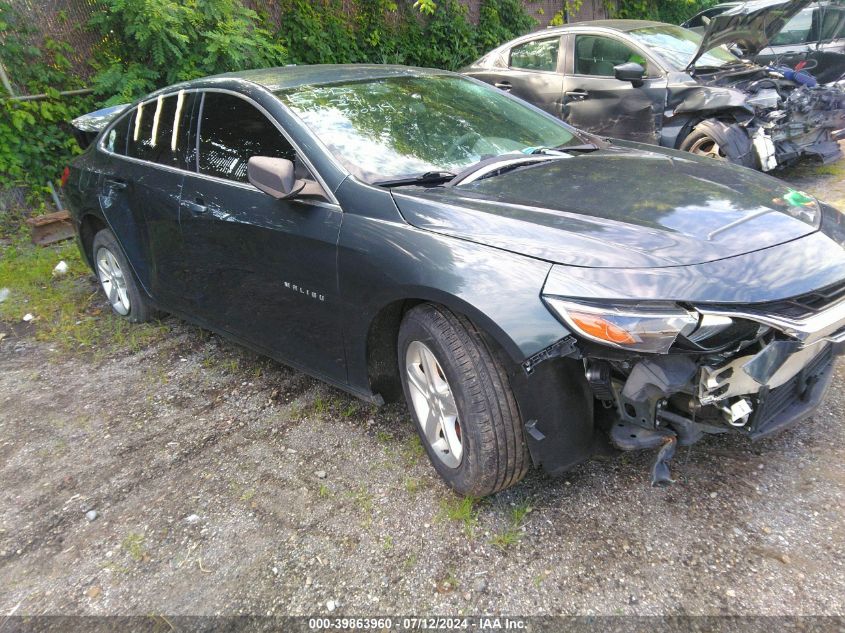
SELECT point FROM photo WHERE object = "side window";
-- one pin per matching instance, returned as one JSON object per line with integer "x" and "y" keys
{"x": 596, "y": 55}
{"x": 231, "y": 132}
{"x": 158, "y": 129}
{"x": 833, "y": 23}
{"x": 116, "y": 137}
{"x": 796, "y": 31}
{"x": 536, "y": 55}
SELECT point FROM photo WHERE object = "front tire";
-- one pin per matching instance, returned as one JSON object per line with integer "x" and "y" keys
{"x": 118, "y": 282}
{"x": 461, "y": 402}
{"x": 715, "y": 139}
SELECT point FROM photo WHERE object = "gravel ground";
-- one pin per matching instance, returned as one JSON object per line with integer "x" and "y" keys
{"x": 216, "y": 482}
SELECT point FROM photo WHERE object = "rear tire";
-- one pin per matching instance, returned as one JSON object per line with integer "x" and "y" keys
{"x": 117, "y": 280}
{"x": 461, "y": 402}
{"x": 716, "y": 139}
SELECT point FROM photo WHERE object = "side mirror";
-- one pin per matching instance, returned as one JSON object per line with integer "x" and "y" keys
{"x": 274, "y": 176}
{"x": 630, "y": 71}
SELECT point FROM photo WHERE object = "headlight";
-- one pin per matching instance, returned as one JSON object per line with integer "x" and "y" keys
{"x": 645, "y": 329}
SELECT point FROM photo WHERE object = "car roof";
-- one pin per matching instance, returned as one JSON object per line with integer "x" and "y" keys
{"x": 616, "y": 25}
{"x": 284, "y": 77}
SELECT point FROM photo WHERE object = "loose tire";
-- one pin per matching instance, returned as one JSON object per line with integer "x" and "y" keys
{"x": 716, "y": 139}
{"x": 118, "y": 282}
{"x": 461, "y": 402}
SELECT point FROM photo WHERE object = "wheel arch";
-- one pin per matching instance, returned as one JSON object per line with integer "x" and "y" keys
{"x": 383, "y": 332}
{"x": 554, "y": 402}
{"x": 90, "y": 223}
{"x": 686, "y": 123}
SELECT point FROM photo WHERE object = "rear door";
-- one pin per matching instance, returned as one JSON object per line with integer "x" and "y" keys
{"x": 139, "y": 189}
{"x": 260, "y": 268}
{"x": 594, "y": 100}
{"x": 158, "y": 137}
{"x": 533, "y": 73}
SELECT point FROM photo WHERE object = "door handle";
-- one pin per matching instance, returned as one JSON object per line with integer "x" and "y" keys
{"x": 503, "y": 85}
{"x": 576, "y": 95}
{"x": 195, "y": 208}
{"x": 115, "y": 184}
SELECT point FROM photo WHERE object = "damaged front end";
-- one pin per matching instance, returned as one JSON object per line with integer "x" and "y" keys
{"x": 669, "y": 374}
{"x": 791, "y": 117}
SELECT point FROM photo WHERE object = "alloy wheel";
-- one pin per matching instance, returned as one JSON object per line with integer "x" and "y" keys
{"x": 434, "y": 404}
{"x": 708, "y": 147}
{"x": 113, "y": 281}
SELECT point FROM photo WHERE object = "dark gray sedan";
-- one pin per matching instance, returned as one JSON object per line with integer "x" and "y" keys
{"x": 416, "y": 235}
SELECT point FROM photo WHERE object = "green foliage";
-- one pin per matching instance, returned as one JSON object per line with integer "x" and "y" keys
{"x": 35, "y": 140}
{"x": 501, "y": 20}
{"x": 162, "y": 42}
{"x": 671, "y": 11}
{"x": 316, "y": 32}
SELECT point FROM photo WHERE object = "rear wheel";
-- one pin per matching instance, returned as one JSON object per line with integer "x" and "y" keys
{"x": 117, "y": 281}
{"x": 461, "y": 402}
{"x": 715, "y": 139}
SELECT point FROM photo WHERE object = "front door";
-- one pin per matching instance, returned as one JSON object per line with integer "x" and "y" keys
{"x": 594, "y": 100}
{"x": 260, "y": 268}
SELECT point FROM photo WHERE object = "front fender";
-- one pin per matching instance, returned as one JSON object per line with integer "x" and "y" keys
{"x": 381, "y": 262}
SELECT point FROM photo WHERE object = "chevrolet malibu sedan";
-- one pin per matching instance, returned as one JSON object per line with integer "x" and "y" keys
{"x": 527, "y": 288}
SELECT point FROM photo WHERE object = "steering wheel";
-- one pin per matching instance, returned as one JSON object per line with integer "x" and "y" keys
{"x": 462, "y": 141}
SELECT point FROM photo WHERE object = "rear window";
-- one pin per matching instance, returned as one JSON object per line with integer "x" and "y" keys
{"x": 116, "y": 137}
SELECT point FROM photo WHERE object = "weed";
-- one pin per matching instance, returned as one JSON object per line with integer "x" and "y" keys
{"x": 383, "y": 437}
{"x": 462, "y": 510}
{"x": 412, "y": 450}
{"x": 511, "y": 535}
{"x": 413, "y": 485}
{"x": 68, "y": 309}
{"x": 448, "y": 583}
{"x": 387, "y": 543}
{"x": 364, "y": 500}
{"x": 410, "y": 562}
{"x": 134, "y": 546}
{"x": 324, "y": 492}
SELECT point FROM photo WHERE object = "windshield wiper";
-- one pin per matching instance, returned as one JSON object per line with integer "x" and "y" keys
{"x": 428, "y": 178}
{"x": 584, "y": 147}
{"x": 496, "y": 165}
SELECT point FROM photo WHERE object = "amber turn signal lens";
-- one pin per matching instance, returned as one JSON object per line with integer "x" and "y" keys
{"x": 597, "y": 327}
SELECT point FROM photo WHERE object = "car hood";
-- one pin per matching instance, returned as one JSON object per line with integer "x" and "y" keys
{"x": 621, "y": 207}
{"x": 750, "y": 25}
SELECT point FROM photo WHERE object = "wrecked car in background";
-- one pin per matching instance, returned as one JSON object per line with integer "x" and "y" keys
{"x": 662, "y": 84}
{"x": 812, "y": 40}
{"x": 414, "y": 234}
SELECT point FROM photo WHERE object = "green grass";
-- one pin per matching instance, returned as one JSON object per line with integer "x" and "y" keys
{"x": 364, "y": 500}
{"x": 412, "y": 450}
{"x": 134, "y": 546}
{"x": 512, "y": 534}
{"x": 461, "y": 510}
{"x": 68, "y": 310}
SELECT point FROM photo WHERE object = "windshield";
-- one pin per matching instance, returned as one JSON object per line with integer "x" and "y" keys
{"x": 388, "y": 128}
{"x": 677, "y": 46}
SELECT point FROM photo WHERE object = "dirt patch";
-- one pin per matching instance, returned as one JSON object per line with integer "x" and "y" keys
{"x": 225, "y": 484}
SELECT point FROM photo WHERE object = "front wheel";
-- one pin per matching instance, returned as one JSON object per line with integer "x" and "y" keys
{"x": 716, "y": 139}
{"x": 461, "y": 402}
